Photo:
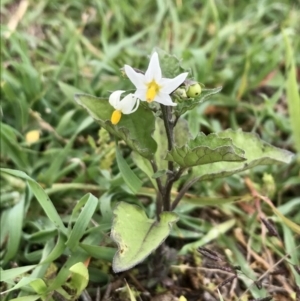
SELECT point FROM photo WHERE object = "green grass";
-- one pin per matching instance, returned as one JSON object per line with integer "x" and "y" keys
{"x": 59, "y": 49}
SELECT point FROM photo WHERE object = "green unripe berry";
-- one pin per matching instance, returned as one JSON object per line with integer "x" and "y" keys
{"x": 194, "y": 90}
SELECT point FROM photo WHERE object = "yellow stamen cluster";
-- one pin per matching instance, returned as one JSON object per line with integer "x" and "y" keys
{"x": 115, "y": 117}
{"x": 152, "y": 91}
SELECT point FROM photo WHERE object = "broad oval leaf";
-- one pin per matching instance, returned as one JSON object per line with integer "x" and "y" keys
{"x": 136, "y": 235}
{"x": 135, "y": 129}
{"x": 257, "y": 152}
{"x": 205, "y": 149}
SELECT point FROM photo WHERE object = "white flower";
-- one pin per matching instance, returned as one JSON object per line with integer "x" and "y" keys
{"x": 127, "y": 105}
{"x": 151, "y": 86}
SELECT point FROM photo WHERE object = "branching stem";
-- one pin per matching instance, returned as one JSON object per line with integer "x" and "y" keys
{"x": 182, "y": 192}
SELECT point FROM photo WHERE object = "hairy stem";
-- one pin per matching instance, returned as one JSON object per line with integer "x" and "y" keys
{"x": 182, "y": 192}
{"x": 159, "y": 191}
{"x": 173, "y": 178}
{"x": 169, "y": 126}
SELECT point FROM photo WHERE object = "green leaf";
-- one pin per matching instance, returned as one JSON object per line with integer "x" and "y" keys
{"x": 214, "y": 233}
{"x": 135, "y": 129}
{"x": 288, "y": 222}
{"x": 136, "y": 235}
{"x": 257, "y": 152}
{"x": 90, "y": 203}
{"x": 130, "y": 178}
{"x": 68, "y": 90}
{"x": 53, "y": 172}
{"x": 291, "y": 248}
{"x": 160, "y": 137}
{"x": 41, "y": 197}
{"x": 26, "y": 298}
{"x": 79, "y": 278}
{"x": 181, "y": 137}
{"x": 205, "y": 149}
{"x": 130, "y": 293}
{"x": 188, "y": 104}
{"x": 63, "y": 274}
{"x": 292, "y": 92}
{"x": 181, "y": 133}
{"x": 39, "y": 286}
{"x": 220, "y": 296}
{"x": 23, "y": 282}
{"x": 105, "y": 207}
{"x": 11, "y": 148}
{"x": 159, "y": 174}
{"x": 57, "y": 250}
{"x": 169, "y": 64}
{"x": 99, "y": 252}
{"x": 216, "y": 201}
{"x": 13, "y": 273}
{"x": 15, "y": 214}
{"x": 143, "y": 164}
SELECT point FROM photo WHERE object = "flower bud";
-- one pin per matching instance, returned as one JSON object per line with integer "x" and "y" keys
{"x": 180, "y": 92}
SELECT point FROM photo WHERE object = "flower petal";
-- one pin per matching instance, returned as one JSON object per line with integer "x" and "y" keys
{"x": 133, "y": 109}
{"x": 127, "y": 104}
{"x": 138, "y": 79}
{"x": 169, "y": 85}
{"x": 141, "y": 94}
{"x": 153, "y": 72}
{"x": 165, "y": 99}
{"x": 114, "y": 98}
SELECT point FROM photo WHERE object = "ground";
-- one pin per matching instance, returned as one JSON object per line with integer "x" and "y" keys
{"x": 52, "y": 50}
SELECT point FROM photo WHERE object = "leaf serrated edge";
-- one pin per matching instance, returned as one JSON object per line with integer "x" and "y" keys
{"x": 198, "y": 100}
{"x": 186, "y": 148}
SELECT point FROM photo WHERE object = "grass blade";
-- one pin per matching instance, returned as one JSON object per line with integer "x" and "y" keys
{"x": 13, "y": 273}
{"x": 292, "y": 92}
{"x": 41, "y": 196}
{"x": 83, "y": 220}
{"x": 130, "y": 178}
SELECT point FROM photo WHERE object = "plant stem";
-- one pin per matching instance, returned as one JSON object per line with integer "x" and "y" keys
{"x": 182, "y": 192}
{"x": 158, "y": 181}
{"x": 170, "y": 181}
{"x": 159, "y": 205}
{"x": 176, "y": 120}
{"x": 159, "y": 191}
{"x": 169, "y": 126}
